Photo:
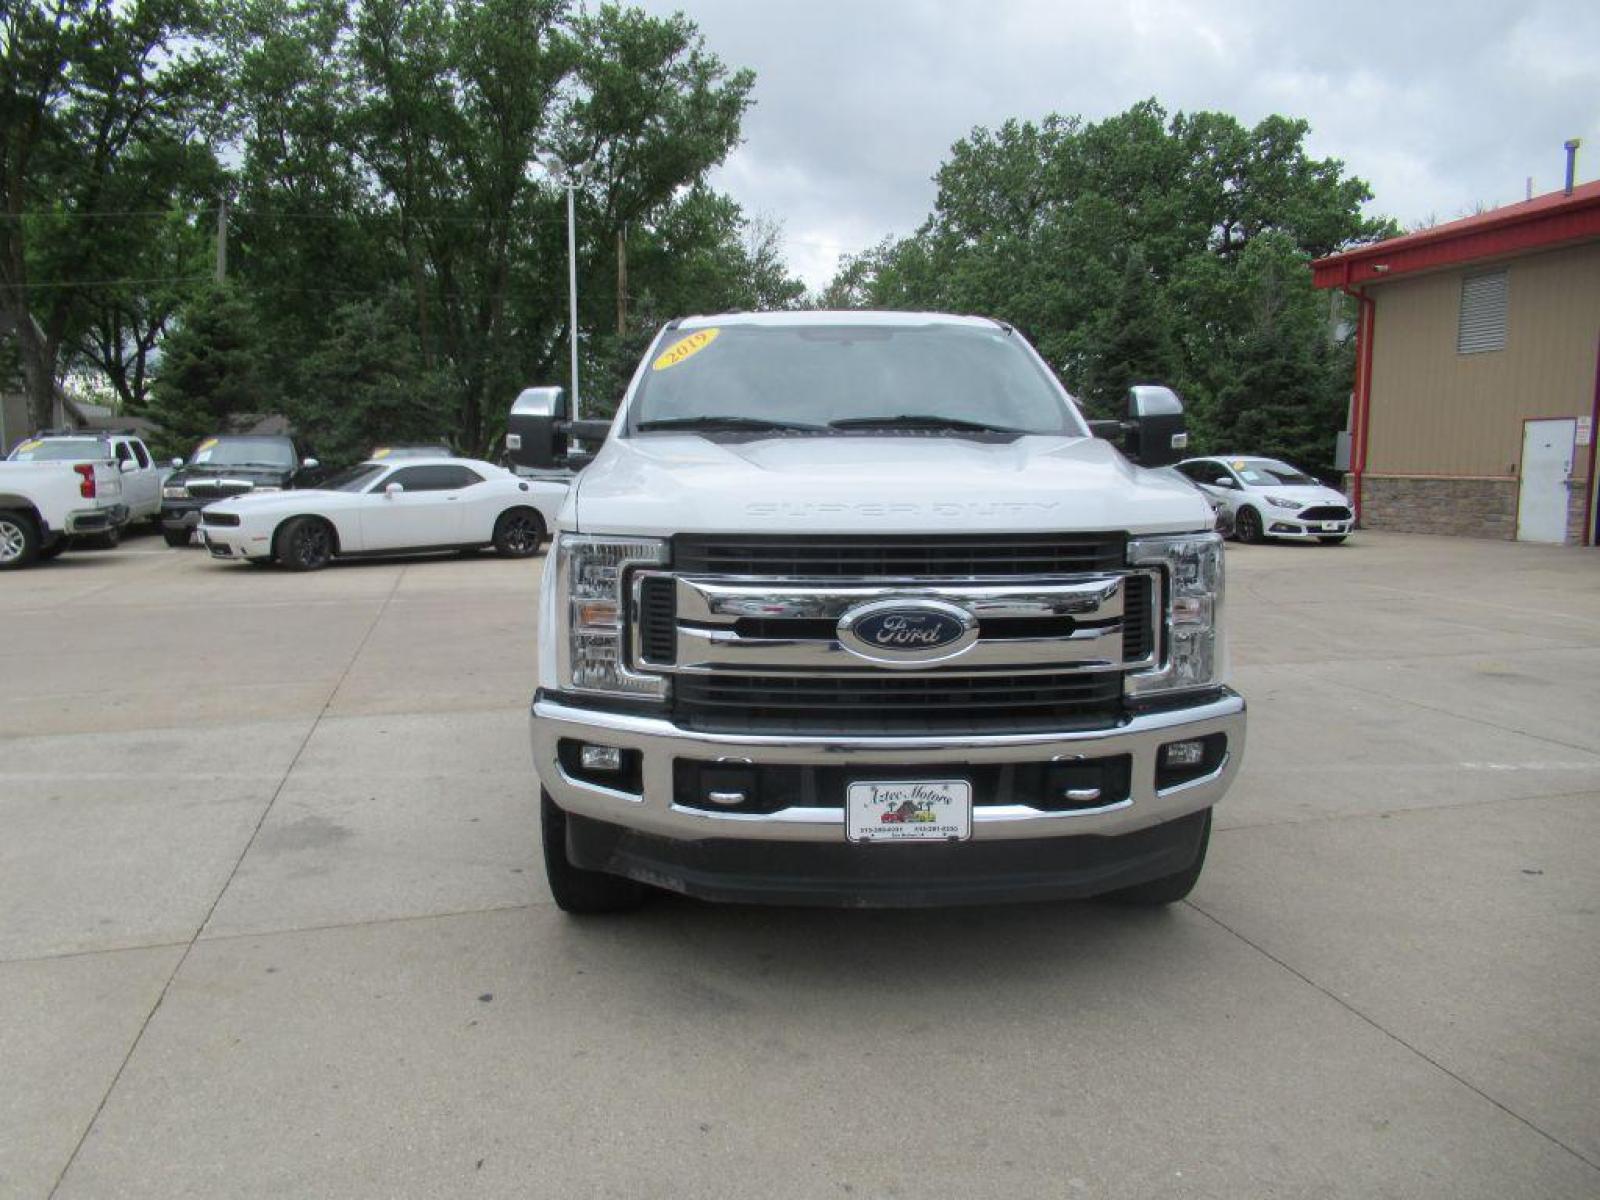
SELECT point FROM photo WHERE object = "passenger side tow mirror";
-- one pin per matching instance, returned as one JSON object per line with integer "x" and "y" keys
{"x": 1154, "y": 434}
{"x": 177, "y": 463}
{"x": 309, "y": 463}
{"x": 127, "y": 465}
{"x": 391, "y": 490}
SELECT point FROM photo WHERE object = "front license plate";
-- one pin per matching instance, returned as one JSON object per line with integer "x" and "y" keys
{"x": 1330, "y": 526}
{"x": 938, "y": 810}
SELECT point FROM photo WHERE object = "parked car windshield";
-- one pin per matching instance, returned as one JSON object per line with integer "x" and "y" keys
{"x": 1264, "y": 472}
{"x": 244, "y": 452}
{"x": 353, "y": 479}
{"x": 59, "y": 450}
{"x": 763, "y": 378}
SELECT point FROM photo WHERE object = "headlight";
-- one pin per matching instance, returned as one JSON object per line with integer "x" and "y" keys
{"x": 178, "y": 492}
{"x": 1194, "y": 650}
{"x": 591, "y": 602}
{"x": 1282, "y": 503}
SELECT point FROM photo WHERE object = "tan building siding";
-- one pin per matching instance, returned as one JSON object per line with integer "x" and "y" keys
{"x": 1437, "y": 412}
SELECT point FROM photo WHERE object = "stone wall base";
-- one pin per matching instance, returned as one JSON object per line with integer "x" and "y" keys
{"x": 1482, "y": 508}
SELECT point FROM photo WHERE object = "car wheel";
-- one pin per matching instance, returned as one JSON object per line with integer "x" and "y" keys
{"x": 176, "y": 537}
{"x": 304, "y": 544}
{"x": 109, "y": 540}
{"x": 1169, "y": 889}
{"x": 1336, "y": 540}
{"x": 578, "y": 891}
{"x": 19, "y": 541}
{"x": 518, "y": 533}
{"x": 1248, "y": 526}
{"x": 53, "y": 550}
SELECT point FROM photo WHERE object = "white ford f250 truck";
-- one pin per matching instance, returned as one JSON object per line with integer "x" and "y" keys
{"x": 853, "y": 608}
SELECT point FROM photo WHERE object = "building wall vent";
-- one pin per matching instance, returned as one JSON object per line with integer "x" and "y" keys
{"x": 1483, "y": 313}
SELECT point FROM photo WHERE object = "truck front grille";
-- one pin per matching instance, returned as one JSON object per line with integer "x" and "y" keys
{"x": 896, "y": 703}
{"x": 910, "y": 556}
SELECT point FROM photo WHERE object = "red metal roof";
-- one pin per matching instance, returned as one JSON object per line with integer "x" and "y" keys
{"x": 1537, "y": 224}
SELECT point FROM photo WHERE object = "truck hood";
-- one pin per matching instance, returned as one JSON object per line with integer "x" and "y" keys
{"x": 899, "y": 483}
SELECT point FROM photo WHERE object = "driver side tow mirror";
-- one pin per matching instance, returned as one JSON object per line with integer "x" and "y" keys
{"x": 539, "y": 436}
{"x": 1154, "y": 433}
{"x": 177, "y": 463}
{"x": 391, "y": 490}
{"x": 308, "y": 463}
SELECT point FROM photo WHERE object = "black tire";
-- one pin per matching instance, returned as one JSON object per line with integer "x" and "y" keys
{"x": 304, "y": 544}
{"x": 109, "y": 540}
{"x": 53, "y": 550}
{"x": 1169, "y": 889}
{"x": 19, "y": 541}
{"x": 584, "y": 893}
{"x": 1248, "y": 528}
{"x": 518, "y": 533}
{"x": 1335, "y": 540}
{"x": 176, "y": 537}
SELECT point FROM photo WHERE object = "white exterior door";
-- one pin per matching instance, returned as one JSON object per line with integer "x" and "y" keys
{"x": 1546, "y": 474}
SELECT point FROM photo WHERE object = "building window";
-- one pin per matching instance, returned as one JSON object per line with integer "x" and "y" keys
{"x": 1483, "y": 314}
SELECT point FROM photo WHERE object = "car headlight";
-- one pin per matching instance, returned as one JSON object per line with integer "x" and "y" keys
{"x": 176, "y": 492}
{"x": 1194, "y": 649}
{"x": 1282, "y": 503}
{"x": 591, "y": 602}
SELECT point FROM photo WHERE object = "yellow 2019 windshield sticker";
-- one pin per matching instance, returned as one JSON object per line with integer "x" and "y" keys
{"x": 381, "y": 452}
{"x": 29, "y": 447}
{"x": 206, "y": 445}
{"x": 684, "y": 348}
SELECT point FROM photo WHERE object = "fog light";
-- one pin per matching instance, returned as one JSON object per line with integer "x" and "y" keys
{"x": 1182, "y": 754}
{"x": 600, "y": 758}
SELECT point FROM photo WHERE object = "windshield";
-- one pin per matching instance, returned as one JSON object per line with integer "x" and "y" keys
{"x": 244, "y": 452}
{"x": 1264, "y": 472}
{"x": 762, "y": 378}
{"x": 353, "y": 479}
{"x": 60, "y": 450}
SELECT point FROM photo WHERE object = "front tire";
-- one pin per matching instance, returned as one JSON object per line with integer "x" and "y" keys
{"x": 304, "y": 544}
{"x": 1248, "y": 527}
{"x": 19, "y": 541}
{"x": 518, "y": 533}
{"x": 583, "y": 893}
{"x": 109, "y": 540}
{"x": 1169, "y": 889}
{"x": 176, "y": 538}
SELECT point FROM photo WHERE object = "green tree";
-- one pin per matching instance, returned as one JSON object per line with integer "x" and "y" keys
{"x": 214, "y": 367}
{"x": 1127, "y": 250}
{"x": 98, "y": 101}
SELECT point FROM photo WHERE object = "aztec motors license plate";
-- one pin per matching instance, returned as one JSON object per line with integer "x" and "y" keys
{"x": 937, "y": 810}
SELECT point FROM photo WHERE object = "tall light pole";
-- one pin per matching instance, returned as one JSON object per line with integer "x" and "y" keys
{"x": 570, "y": 178}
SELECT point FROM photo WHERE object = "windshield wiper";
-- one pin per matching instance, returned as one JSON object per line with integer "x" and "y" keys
{"x": 920, "y": 421}
{"x": 709, "y": 421}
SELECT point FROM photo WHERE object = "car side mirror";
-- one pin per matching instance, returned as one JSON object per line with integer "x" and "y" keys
{"x": 177, "y": 463}
{"x": 127, "y": 465}
{"x": 309, "y": 462}
{"x": 1155, "y": 433}
{"x": 391, "y": 490}
{"x": 1225, "y": 482}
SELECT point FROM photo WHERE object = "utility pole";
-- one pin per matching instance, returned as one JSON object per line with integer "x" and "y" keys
{"x": 222, "y": 237}
{"x": 572, "y": 179}
{"x": 622, "y": 280}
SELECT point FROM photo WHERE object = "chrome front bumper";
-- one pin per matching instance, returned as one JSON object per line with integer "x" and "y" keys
{"x": 659, "y": 742}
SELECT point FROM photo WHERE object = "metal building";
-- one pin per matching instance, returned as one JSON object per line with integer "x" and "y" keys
{"x": 1478, "y": 372}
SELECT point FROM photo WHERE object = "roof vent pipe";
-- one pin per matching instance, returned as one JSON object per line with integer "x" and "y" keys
{"x": 1571, "y": 147}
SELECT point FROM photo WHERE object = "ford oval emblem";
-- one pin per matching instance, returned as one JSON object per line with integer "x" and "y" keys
{"x": 907, "y": 632}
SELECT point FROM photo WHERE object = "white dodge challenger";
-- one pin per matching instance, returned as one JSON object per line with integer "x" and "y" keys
{"x": 410, "y": 506}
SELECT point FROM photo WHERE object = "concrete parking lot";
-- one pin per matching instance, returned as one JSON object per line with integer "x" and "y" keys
{"x": 272, "y": 921}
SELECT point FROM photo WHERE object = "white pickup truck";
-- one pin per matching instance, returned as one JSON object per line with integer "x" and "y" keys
{"x": 73, "y": 484}
{"x": 853, "y": 608}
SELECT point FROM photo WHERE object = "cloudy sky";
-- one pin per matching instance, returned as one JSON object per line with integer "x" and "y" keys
{"x": 1439, "y": 106}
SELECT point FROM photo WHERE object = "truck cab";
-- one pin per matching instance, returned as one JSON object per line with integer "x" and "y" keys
{"x": 856, "y": 609}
